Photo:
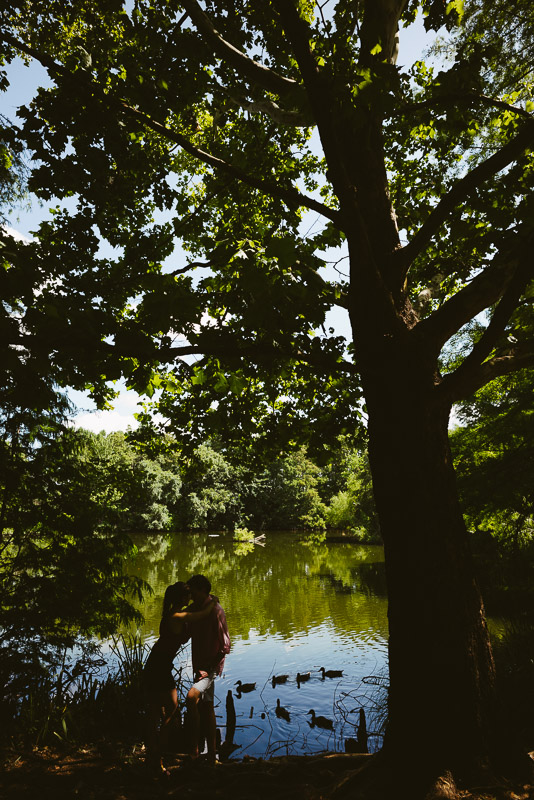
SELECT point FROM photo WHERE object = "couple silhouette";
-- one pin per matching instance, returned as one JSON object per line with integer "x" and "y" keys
{"x": 190, "y": 611}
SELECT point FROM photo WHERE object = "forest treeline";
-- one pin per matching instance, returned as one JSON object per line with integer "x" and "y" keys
{"x": 215, "y": 489}
{"x": 161, "y": 488}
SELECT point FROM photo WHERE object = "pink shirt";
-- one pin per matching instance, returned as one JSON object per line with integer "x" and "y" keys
{"x": 210, "y": 641}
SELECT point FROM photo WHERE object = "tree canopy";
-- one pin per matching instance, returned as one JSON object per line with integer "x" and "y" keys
{"x": 175, "y": 130}
{"x": 172, "y": 134}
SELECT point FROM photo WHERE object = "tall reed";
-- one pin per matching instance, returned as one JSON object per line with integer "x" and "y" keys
{"x": 82, "y": 700}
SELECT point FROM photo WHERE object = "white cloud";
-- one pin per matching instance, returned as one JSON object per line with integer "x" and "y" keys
{"x": 119, "y": 418}
{"x": 107, "y": 421}
{"x": 16, "y": 235}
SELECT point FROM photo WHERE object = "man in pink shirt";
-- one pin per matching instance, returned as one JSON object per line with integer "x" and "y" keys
{"x": 210, "y": 643}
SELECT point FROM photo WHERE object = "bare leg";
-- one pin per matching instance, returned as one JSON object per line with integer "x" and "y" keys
{"x": 161, "y": 708}
{"x": 171, "y": 707}
{"x": 152, "y": 721}
{"x": 210, "y": 725}
{"x": 193, "y": 717}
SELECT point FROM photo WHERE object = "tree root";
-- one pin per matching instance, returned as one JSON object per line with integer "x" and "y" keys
{"x": 444, "y": 788}
{"x": 378, "y": 778}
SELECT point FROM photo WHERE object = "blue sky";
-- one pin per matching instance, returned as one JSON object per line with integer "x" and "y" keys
{"x": 24, "y": 81}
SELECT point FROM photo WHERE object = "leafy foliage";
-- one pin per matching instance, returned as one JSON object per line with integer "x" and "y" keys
{"x": 62, "y": 548}
{"x": 353, "y": 507}
{"x": 495, "y": 459}
{"x": 147, "y": 95}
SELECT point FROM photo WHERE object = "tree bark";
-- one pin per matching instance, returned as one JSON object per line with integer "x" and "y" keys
{"x": 442, "y": 701}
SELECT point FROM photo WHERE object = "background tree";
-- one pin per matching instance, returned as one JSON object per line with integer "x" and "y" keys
{"x": 212, "y": 492}
{"x": 285, "y": 495}
{"x": 352, "y": 506}
{"x": 62, "y": 549}
{"x": 244, "y": 487}
{"x": 495, "y": 459}
{"x": 194, "y": 122}
{"x": 147, "y": 488}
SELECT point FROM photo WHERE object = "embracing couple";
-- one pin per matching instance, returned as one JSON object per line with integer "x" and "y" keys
{"x": 204, "y": 622}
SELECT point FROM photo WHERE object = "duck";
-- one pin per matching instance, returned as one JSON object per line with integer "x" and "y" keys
{"x": 279, "y": 679}
{"x": 280, "y": 711}
{"x": 303, "y": 676}
{"x": 331, "y": 673}
{"x": 321, "y": 722}
{"x": 244, "y": 687}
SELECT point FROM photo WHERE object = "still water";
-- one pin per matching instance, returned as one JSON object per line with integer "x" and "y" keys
{"x": 291, "y": 607}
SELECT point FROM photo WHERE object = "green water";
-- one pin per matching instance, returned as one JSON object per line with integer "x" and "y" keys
{"x": 291, "y": 607}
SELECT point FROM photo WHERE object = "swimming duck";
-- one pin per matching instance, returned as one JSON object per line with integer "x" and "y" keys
{"x": 331, "y": 673}
{"x": 321, "y": 722}
{"x": 279, "y": 679}
{"x": 245, "y": 687}
{"x": 303, "y": 676}
{"x": 280, "y": 711}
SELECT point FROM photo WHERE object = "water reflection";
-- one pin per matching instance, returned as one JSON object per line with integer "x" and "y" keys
{"x": 291, "y": 607}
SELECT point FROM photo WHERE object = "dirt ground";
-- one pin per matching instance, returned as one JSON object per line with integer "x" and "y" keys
{"x": 100, "y": 774}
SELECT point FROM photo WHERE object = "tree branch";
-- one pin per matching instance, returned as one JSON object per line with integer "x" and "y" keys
{"x": 193, "y": 265}
{"x": 319, "y": 92}
{"x": 321, "y": 98}
{"x": 454, "y": 97}
{"x": 207, "y": 198}
{"x": 380, "y": 26}
{"x": 255, "y": 350}
{"x": 220, "y": 343}
{"x": 519, "y": 357}
{"x": 292, "y": 197}
{"x": 507, "y": 276}
{"x": 250, "y": 69}
{"x": 279, "y": 115}
{"x": 494, "y": 164}
{"x": 483, "y": 291}
{"x": 43, "y": 59}
{"x": 499, "y": 318}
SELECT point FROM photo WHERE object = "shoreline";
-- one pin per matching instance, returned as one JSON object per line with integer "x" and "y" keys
{"x": 110, "y": 771}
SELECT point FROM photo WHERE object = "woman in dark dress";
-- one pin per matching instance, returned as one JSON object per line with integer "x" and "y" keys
{"x": 158, "y": 682}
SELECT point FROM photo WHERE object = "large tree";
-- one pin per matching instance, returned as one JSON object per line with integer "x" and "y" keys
{"x": 176, "y": 121}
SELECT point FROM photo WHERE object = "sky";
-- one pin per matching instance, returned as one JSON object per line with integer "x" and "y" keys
{"x": 24, "y": 81}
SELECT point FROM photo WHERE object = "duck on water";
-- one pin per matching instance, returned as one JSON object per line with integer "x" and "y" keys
{"x": 320, "y": 722}
{"x": 331, "y": 673}
{"x": 244, "y": 687}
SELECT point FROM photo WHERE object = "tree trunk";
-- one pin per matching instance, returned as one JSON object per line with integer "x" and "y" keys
{"x": 442, "y": 701}
{"x": 442, "y": 690}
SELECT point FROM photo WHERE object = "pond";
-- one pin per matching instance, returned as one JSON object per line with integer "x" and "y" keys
{"x": 291, "y": 607}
